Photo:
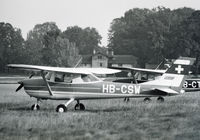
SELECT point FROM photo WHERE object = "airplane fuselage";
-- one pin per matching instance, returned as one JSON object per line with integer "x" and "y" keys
{"x": 90, "y": 90}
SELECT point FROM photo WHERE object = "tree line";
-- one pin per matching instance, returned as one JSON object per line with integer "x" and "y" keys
{"x": 153, "y": 35}
{"x": 149, "y": 34}
{"x": 46, "y": 44}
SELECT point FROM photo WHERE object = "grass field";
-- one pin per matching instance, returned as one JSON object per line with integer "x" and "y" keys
{"x": 177, "y": 118}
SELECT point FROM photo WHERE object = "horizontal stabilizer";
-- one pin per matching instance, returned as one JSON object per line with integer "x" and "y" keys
{"x": 167, "y": 90}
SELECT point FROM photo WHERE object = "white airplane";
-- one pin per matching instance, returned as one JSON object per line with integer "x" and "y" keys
{"x": 76, "y": 84}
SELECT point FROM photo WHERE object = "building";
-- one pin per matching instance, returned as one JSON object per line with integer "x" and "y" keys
{"x": 104, "y": 57}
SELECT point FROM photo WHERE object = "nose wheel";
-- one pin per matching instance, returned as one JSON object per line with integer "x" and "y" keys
{"x": 79, "y": 106}
{"x": 35, "y": 107}
{"x": 160, "y": 99}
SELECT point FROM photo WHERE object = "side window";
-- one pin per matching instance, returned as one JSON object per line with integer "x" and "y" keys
{"x": 85, "y": 78}
{"x": 59, "y": 77}
{"x": 67, "y": 78}
{"x": 73, "y": 78}
{"x": 48, "y": 75}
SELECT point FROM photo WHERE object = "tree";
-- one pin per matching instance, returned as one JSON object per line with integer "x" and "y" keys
{"x": 49, "y": 46}
{"x": 86, "y": 39}
{"x": 128, "y": 35}
{"x": 150, "y": 35}
{"x": 11, "y": 45}
{"x": 190, "y": 38}
{"x": 40, "y": 43}
{"x": 67, "y": 53}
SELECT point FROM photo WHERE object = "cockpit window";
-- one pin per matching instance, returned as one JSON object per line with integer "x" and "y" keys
{"x": 70, "y": 78}
{"x": 48, "y": 75}
{"x": 59, "y": 77}
{"x": 82, "y": 78}
{"x": 92, "y": 78}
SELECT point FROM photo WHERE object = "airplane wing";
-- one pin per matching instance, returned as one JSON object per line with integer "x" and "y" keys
{"x": 65, "y": 70}
{"x": 101, "y": 70}
{"x": 156, "y": 71}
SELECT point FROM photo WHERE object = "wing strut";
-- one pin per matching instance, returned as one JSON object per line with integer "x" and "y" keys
{"x": 47, "y": 84}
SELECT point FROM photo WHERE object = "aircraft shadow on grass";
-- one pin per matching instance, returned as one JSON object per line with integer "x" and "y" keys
{"x": 85, "y": 111}
{"x": 13, "y": 107}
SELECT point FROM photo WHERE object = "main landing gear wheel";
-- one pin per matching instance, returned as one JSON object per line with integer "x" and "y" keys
{"x": 160, "y": 99}
{"x": 35, "y": 107}
{"x": 79, "y": 106}
{"x": 61, "y": 108}
{"x": 147, "y": 100}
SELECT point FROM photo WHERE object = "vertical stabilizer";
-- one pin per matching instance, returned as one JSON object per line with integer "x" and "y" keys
{"x": 175, "y": 76}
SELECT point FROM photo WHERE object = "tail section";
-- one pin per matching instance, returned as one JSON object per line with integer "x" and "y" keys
{"x": 175, "y": 76}
{"x": 177, "y": 73}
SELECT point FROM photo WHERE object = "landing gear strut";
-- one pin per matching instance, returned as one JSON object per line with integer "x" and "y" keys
{"x": 79, "y": 106}
{"x": 126, "y": 99}
{"x": 36, "y": 106}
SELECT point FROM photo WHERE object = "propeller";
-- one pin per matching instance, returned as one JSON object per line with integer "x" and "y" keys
{"x": 20, "y": 86}
{"x": 32, "y": 74}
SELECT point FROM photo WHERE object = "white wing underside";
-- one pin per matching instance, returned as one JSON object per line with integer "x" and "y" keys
{"x": 155, "y": 71}
{"x": 65, "y": 70}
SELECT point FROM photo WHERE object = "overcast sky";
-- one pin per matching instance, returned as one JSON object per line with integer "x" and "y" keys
{"x": 25, "y": 14}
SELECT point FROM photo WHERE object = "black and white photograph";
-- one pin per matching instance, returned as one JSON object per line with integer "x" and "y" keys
{"x": 99, "y": 70}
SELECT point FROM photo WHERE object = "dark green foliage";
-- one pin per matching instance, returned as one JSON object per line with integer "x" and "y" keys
{"x": 86, "y": 39}
{"x": 49, "y": 47}
{"x": 190, "y": 38}
{"x": 46, "y": 45}
{"x": 11, "y": 45}
{"x": 151, "y": 35}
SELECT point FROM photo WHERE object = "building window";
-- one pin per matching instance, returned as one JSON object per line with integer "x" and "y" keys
{"x": 99, "y": 57}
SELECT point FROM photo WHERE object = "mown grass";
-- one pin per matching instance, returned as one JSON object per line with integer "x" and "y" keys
{"x": 177, "y": 118}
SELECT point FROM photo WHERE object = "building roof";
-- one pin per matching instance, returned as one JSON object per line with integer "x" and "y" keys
{"x": 123, "y": 59}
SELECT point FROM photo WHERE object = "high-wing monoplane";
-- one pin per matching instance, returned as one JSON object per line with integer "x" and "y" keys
{"x": 76, "y": 84}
